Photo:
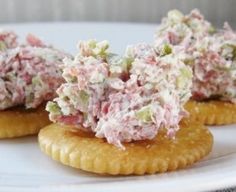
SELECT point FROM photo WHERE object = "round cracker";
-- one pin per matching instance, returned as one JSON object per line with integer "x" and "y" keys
{"x": 84, "y": 151}
{"x": 212, "y": 112}
{"x": 18, "y": 121}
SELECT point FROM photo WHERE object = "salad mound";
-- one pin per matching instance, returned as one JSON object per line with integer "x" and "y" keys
{"x": 211, "y": 53}
{"x": 29, "y": 73}
{"x": 122, "y": 98}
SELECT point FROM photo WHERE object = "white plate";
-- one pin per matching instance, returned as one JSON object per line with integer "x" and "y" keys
{"x": 24, "y": 168}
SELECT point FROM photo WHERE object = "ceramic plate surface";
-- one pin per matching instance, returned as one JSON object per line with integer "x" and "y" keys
{"x": 24, "y": 168}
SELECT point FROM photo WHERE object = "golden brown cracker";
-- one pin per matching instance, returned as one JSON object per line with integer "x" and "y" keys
{"x": 212, "y": 112}
{"x": 18, "y": 121}
{"x": 84, "y": 151}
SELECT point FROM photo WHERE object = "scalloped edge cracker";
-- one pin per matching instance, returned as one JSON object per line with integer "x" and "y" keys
{"x": 84, "y": 151}
{"x": 18, "y": 121}
{"x": 212, "y": 112}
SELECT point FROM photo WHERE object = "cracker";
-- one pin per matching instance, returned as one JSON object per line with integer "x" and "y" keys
{"x": 18, "y": 121}
{"x": 84, "y": 151}
{"x": 212, "y": 112}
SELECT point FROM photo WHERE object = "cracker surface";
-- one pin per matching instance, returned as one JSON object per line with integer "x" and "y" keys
{"x": 18, "y": 121}
{"x": 86, "y": 152}
{"x": 212, "y": 112}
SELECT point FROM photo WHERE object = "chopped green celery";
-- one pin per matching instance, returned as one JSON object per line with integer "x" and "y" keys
{"x": 116, "y": 60}
{"x": 2, "y": 46}
{"x": 181, "y": 81}
{"x": 92, "y": 43}
{"x": 145, "y": 114}
{"x": 84, "y": 97}
{"x": 233, "y": 47}
{"x": 166, "y": 50}
{"x": 53, "y": 108}
{"x": 234, "y": 53}
{"x": 127, "y": 63}
{"x": 100, "y": 48}
{"x": 175, "y": 15}
{"x": 36, "y": 80}
{"x": 186, "y": 72}
{"x": 232, "y": 68}
{"x": 185, "y": 75}
{"x": 212, "y": 30}
{"x": 73, "y": 79}
{"x": 189, "y": 61}
{"x": 65, "y": 98}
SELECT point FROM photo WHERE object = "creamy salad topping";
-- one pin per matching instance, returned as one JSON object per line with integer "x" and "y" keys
{"x": 29, "y": 73}
{"x": 123, "y": 98}
{"x": 211, "y": 53}
{"x": 8, "y": 40}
